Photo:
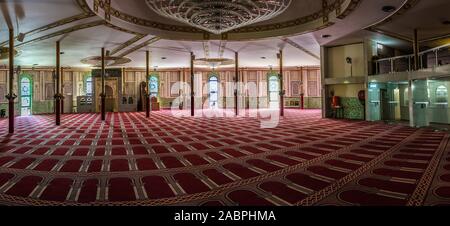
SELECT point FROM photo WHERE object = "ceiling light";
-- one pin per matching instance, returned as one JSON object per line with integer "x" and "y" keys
{"x": 388, "y": 8}
{"x": 216, "y": 16}
{"x": 326, "y": 36}
{"x": 21, "y": 37}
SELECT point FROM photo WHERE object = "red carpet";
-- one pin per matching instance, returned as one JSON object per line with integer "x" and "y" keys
{"x": 306, "y": 160}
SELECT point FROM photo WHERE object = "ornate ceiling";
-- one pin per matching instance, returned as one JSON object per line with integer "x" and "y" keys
{"x": 129, "y": 28}
{"x": 301, "y": 16}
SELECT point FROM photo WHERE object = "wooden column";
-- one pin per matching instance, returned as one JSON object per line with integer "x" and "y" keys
{"x": 282, "y": 91}
{"x": 103, "y": 94}
{"x": 236, "y": 83}
{"x": 192, "y": 85}
{"x": 58, "y": 94}
{"x": 61, "y": 90}
{"x": 11, "y": 96}
{"x": 147, "y": 74}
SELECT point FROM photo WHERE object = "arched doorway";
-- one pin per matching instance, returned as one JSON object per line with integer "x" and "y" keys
{"x": 274, "y": 90}
{"x": 213, "y": 91}
{"x": 26, "y": 96}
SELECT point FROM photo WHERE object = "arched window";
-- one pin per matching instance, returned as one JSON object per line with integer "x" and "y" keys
{"x": 154, "y": 86}
{"x": 213, "y": 91}
{"x": 441, "y": 95}
{"x": 25, "y": 96}
{"x": 88, "y": 86}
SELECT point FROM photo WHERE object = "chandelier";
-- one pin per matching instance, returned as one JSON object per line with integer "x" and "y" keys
{"x": 219, "y": 16}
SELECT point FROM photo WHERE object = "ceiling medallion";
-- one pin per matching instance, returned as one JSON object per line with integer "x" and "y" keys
{"x": 96, "y": 61}
{"x": 219, "y": 16}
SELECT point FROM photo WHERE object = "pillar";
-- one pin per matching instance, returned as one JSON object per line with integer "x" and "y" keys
{"x": 11, "y": 96}
{"x": 282, "y": 91}
{"x": 147, "y": 74}
{"x": 103, "y": 94}
{"x": 62, "y": 90}
{"x": 236, "y": 83}
{"x": 57, "y": 85}
{"x": 192, "y": 85}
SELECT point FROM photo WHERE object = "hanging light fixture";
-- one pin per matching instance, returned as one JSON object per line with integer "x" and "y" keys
{"x": 219, "y": 16}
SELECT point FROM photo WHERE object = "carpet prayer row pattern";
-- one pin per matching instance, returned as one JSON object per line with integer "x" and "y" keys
{"x": 164, "y": 160}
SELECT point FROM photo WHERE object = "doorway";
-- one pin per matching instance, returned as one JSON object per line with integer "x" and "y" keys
{"x": 213, "y": 92}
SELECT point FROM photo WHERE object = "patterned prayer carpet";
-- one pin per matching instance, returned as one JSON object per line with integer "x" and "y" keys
{"x": 164, "y": 160}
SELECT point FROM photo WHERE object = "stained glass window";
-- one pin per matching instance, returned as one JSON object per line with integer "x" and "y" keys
{"x": 154, "y": 86}
{"x": 89, "y": 86}
{"x": 25, "y": 96}
{"x": 274, "y": 88}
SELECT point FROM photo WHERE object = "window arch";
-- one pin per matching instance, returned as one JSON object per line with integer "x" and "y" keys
{"x": 441, "y": 95}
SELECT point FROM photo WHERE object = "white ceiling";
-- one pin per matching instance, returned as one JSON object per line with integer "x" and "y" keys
{"x": 26, "y": 15}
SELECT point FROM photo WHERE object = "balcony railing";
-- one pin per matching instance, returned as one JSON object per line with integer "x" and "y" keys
{"x": 431, "y": 58}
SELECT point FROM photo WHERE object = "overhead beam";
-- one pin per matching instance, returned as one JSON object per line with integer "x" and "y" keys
{"x": 56, "y": 24}
{"x": 64, "y": 31}
{"x": 140, "y": 46}
{"x": 301, "y": 48}
{"x": 126, "y": 44}
{"x": 390, "y": 34}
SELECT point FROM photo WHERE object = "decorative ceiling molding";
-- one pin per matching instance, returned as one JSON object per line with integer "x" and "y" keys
{"x": 344, "y": 7}
{"x": 218, "y": 17}
{"x": 390, "y": 34}
{"x": 296, "y": 45}
{"x": 140, "y": 46}
{"x": 349, "y": 9}
{"x": 64, "y": 32}
{"x": 407, "y": 5}
{"x": 127, "y": 44}
{"x": 435, "y": 38}
{"x": 56, "y": 24}
{"x": 85, "y": 7}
